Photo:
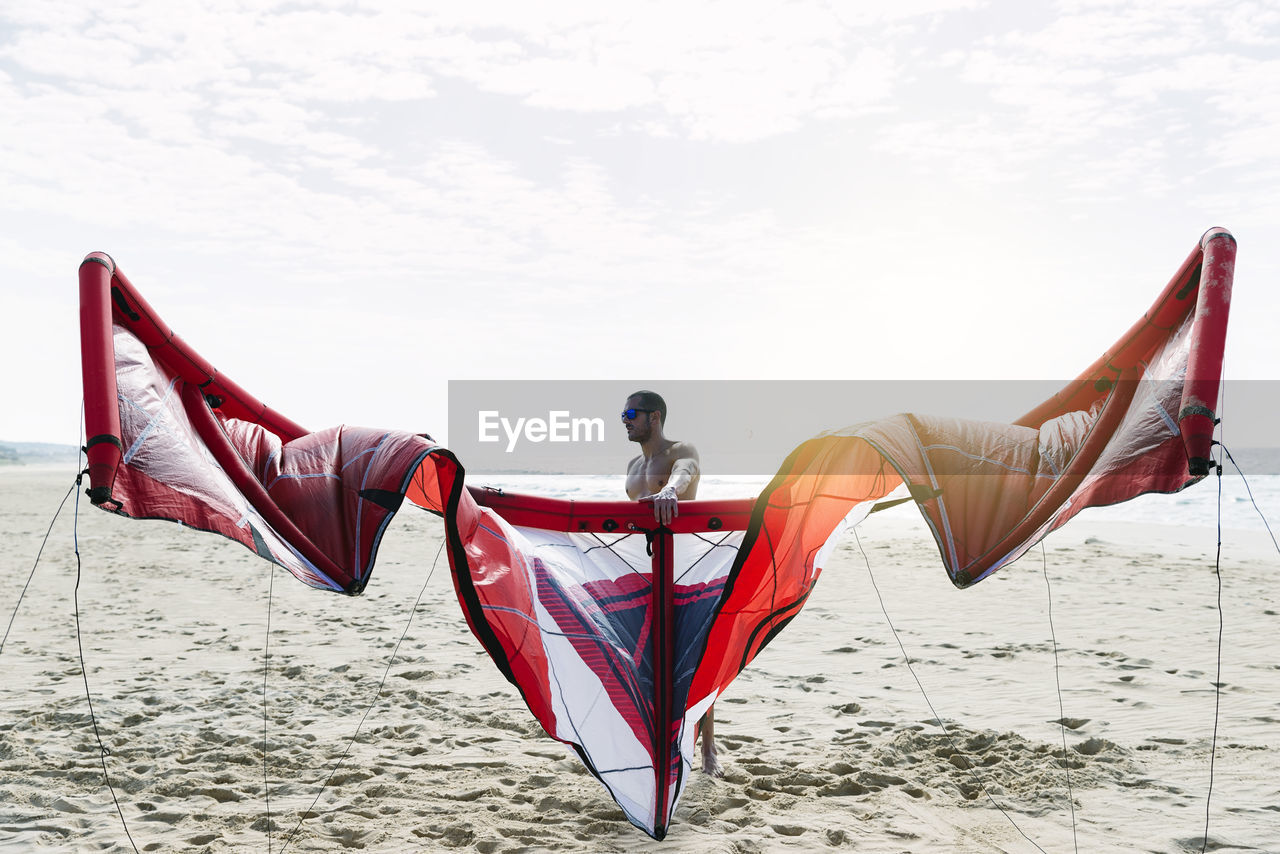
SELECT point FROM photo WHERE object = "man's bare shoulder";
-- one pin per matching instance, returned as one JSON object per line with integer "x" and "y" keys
{"x": 682, "y": 451}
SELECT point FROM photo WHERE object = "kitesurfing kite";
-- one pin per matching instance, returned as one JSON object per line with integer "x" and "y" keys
{"x": 619, "y": 633}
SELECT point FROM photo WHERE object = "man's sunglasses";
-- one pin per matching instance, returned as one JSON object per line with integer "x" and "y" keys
{"x": 630, "y": 414}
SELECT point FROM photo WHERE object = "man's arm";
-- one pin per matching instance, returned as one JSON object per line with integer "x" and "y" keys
{"x": 684, "y": 471}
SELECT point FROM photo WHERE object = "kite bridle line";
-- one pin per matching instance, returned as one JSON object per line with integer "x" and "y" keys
{"x": 1217, "y": 572}
{"x": 1252, "y": 500}
{"x": 103, "y": 750}
{"x": 266, "y": 669}
{"x": 1057, "y": 682}
{"x": 310, "y": 811}
{"x": 977, "y": 778}
{"x": 22, "y": 595}
{"x": 1217, "y": 679}
{"x": 1217, "y": 684}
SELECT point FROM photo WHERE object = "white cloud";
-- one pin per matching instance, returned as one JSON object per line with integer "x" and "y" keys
{"x": 1108, "y": 99}
{"x": 721, "y": 71}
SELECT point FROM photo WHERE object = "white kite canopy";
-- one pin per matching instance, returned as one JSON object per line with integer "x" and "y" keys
{"x": 611, "y": 612}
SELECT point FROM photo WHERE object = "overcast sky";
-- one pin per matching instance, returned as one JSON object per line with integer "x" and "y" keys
{"x": 345, "y": 205}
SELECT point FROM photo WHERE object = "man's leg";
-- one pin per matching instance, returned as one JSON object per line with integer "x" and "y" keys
{"x": 707, "y": 726}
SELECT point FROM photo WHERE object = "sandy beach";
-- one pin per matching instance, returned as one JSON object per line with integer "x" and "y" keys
{"x": 827, "y": 739}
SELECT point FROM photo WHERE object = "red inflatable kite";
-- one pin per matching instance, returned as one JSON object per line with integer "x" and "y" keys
{"x": 617, "y": 633}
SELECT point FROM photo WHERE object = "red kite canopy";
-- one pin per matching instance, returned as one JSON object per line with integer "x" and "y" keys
{"x": 619, "y": 634}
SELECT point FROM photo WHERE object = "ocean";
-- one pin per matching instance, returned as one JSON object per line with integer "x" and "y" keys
{"x": 1250, "y": 503}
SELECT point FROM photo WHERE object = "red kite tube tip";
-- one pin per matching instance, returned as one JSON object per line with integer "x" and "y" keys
{"x": 1215, "y": 233}
{"x": 100, "y": 258}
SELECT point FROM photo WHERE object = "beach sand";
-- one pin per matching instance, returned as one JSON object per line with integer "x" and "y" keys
{"x": 827, "y": 739}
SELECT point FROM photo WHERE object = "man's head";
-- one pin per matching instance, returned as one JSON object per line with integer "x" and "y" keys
{"x": 648, "y": 414}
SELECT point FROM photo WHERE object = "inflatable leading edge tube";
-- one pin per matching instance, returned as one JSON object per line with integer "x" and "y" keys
{"x": 108, "y": 298}
{"x": 1202, "y": 286}
{"x": 1198, "y": 415}
{"x": 98, "y": 367}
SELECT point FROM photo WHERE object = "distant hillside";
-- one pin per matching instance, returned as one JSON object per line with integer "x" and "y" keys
{"x": 32, "y": 453}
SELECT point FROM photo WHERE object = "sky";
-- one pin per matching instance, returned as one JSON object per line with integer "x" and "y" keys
{"x": 344, "y": 206}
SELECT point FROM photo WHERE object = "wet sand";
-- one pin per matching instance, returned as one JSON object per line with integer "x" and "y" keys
{"x": 827, "y": 740}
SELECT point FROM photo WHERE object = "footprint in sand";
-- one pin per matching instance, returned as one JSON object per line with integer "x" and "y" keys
{"x": 1071, "y": 723}
{"x": 847, "y": 786}
{"x": 788, "y": 829}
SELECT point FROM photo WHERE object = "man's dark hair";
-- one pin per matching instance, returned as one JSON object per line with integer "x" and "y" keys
{"x": 652, "y": 401}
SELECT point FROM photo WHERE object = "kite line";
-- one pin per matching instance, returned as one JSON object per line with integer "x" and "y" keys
{"x": 1217, "y": 679}
{"x": 310, "y": 811}
{"x": 266, "y": 668}
{"x": 1062, "y": 715}
{"x": 103, "y": 750}
{"x": 1217, "y": 571}
{"x": 936, "y": 717}
{"x": 32, "y": 574}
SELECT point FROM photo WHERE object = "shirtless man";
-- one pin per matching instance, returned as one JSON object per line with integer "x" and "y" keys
{"x": 665, "y": 472}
